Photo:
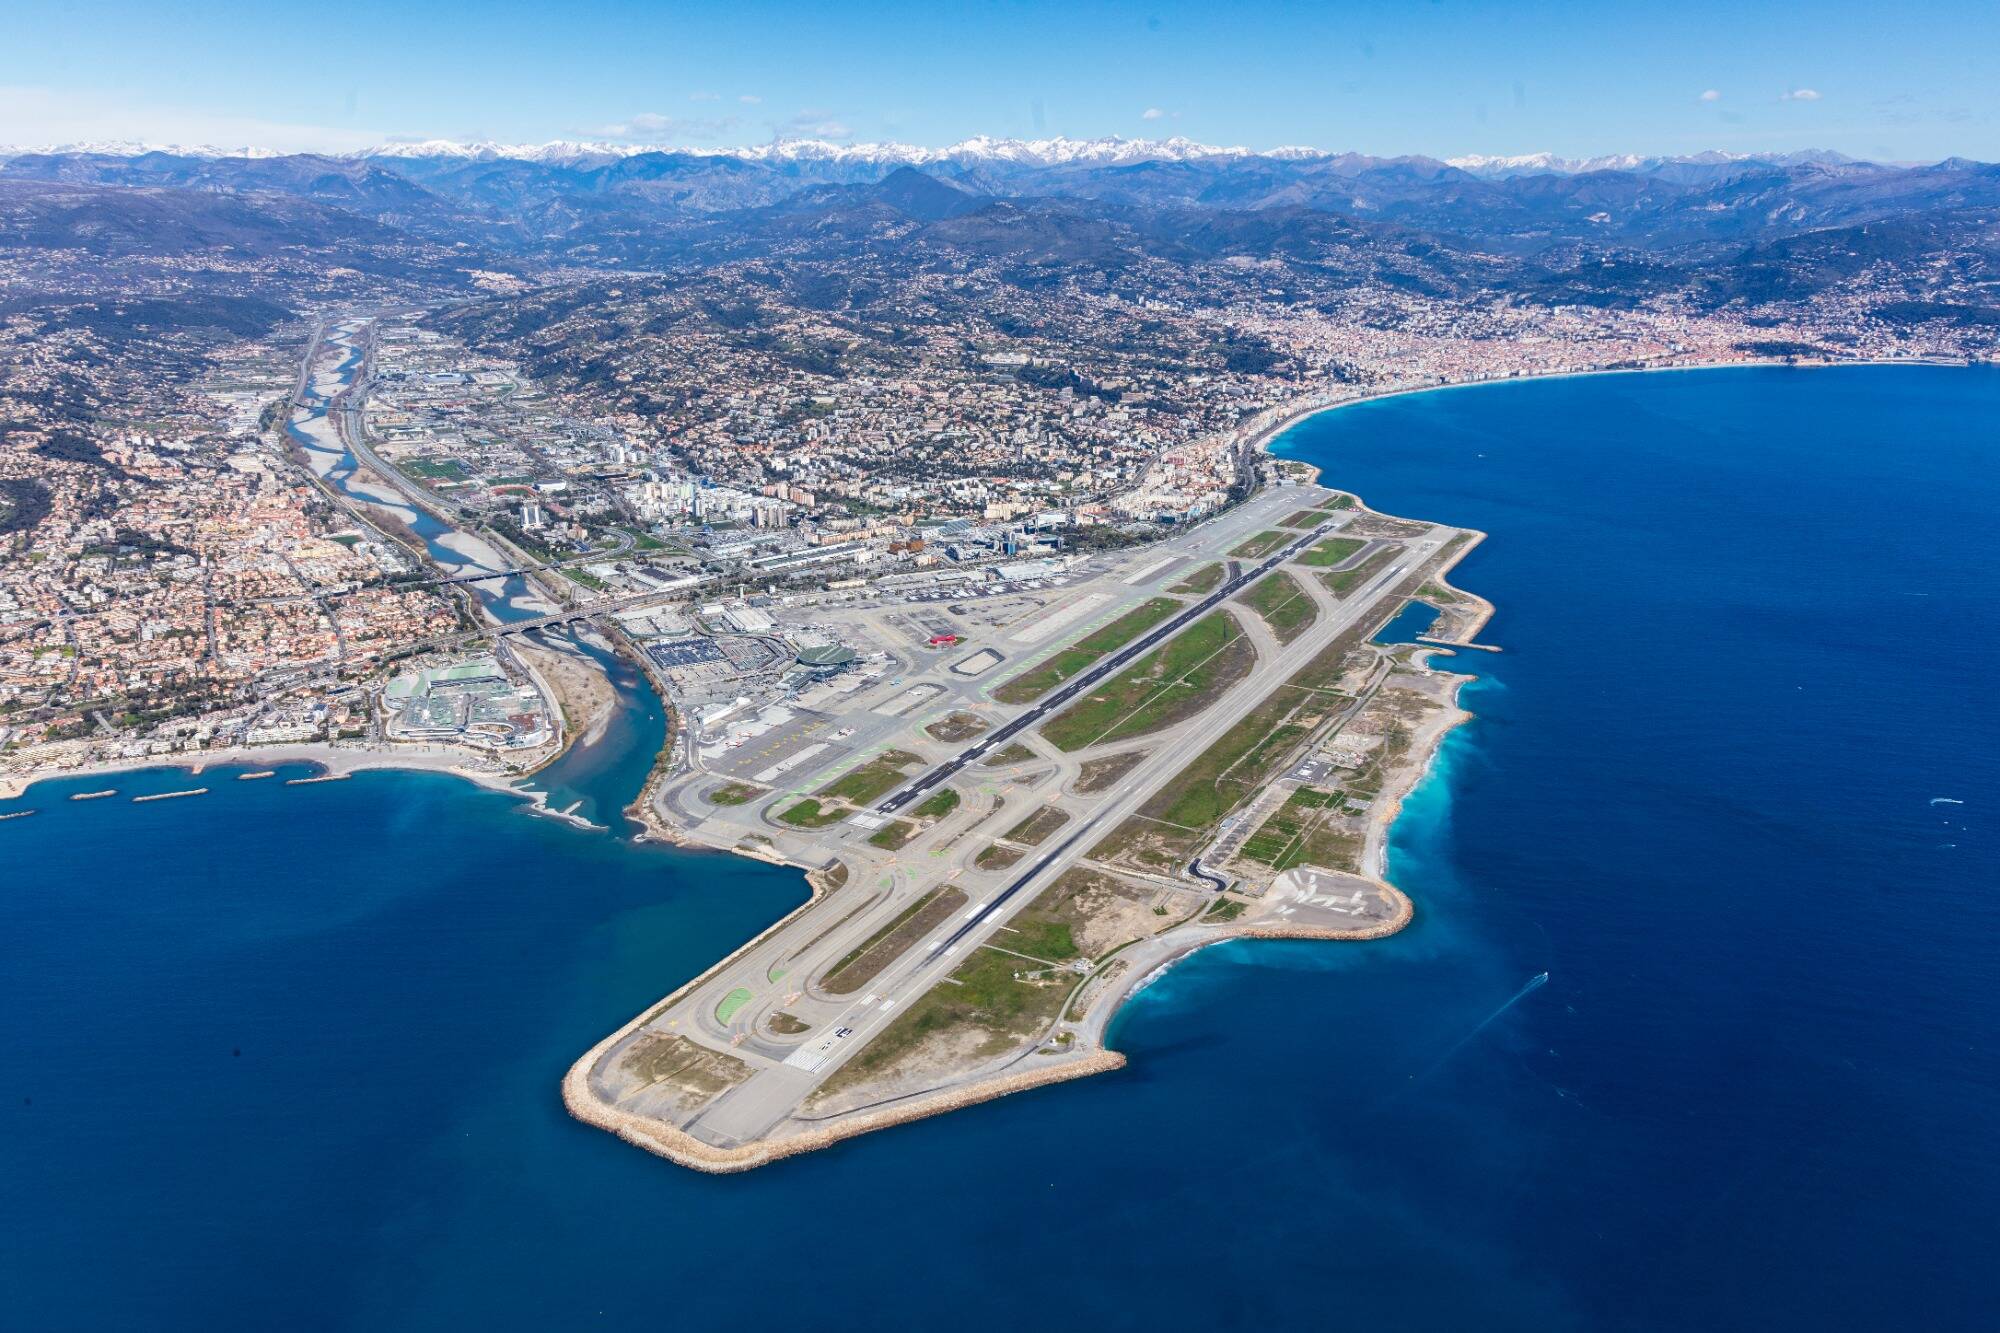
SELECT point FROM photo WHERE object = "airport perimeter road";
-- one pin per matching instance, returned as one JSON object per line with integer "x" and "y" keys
{"x": 752, "y": 1108}
{"x": 1113, "y": 663}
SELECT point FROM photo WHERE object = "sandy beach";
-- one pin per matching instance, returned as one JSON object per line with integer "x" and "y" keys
{"x": 336, "y": 760}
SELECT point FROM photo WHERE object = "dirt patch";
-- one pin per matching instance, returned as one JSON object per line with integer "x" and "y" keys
{"x": 1010, "y": 754}
{"x": 680, "y": 1073}
{"x": 1090, "y": 912}
{"x": 999, "y": 856}
{"x": 1038, "y": 826}
{"x": 955, "y": 727}
{"x": 1103, "y": 773}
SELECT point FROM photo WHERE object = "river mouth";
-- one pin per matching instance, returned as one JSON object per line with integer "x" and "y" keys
{"x": 599, "y": 773}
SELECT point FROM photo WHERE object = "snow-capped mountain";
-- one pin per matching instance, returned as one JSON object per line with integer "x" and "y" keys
{"x": 1110, "y": 151}
{"x": 1531, "y": 164}
{"x": 135, "y": 148}
{"x": 979, "y": 151}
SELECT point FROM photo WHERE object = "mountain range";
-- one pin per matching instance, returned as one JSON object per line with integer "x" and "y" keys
{"x": 1058, "y": 151}
{"x": 1603, "y": 229}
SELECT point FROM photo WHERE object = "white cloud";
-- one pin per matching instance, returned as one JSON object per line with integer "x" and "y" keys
{"x": 1712, "y": 95}
{"x": 652, "y": 127}
{"x": 704, "y": 97}
{"x": 37, "y": 117}
{"x": 750, "y": 99}
{"x": 1801, "y": 95}
{"x": 1152, "y": 113}
{"x": 814, "y": 125}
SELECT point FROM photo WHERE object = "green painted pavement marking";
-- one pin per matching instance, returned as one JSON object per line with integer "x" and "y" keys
{"x": 731, "y": 1003}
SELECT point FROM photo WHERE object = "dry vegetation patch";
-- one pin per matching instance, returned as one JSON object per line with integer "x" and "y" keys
{"x": 684, "y": 1074}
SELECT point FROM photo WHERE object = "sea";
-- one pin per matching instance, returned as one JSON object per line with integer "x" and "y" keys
{"x": 1697, "y": 1026}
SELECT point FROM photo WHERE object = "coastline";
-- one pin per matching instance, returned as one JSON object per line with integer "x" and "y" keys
{"x": 1292, "y": 414}
{"x": 336, "y": 760}
{"x": 682, "y": 1148}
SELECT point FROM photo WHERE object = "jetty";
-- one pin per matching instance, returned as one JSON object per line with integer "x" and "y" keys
{"x": 324, "y": 777}
{"x": 172, "y": 795}
{"x": 93, "y": 795}
{"x": 17, "y": 814}
{"x": 252, "y": 777}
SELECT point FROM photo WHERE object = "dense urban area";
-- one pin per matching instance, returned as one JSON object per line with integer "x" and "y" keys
{"x": 854, "y": 367}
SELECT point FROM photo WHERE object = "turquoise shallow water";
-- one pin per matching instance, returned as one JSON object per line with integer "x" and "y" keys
{"x": 287, "y": 1057}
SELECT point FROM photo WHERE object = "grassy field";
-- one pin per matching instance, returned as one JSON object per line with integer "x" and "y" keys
{"x": 1180, "y": 815}
{"x": 1205, "y": 579}
{"x": 1331, "y": 551}
{"x": 1299, "y": 833}
{"x": 1002, "y": 998}
{"x": 734, "y": 793}
{"x": 867, "y": 959}
{"x": 1036, "y": 827}
{"x": 1282, "y": 603}
{"x": 1039, "y": 680}
{"x": 431, "y": 469}
{"x": 937, "y": 805}
{"x": 788, "y": 1025}
{"x": 1305, "y": 518}
{"x": 1012, "y": 753}
{"x": 872, "y": 779}
{"x": 811, "y": 814}
{"x": 1343, "y": 581}
{"x": 1239, "y": 761}
{"x": 1262, "y": 544}
{"x": 893, "y": 834}
{"x": 1174, "y": 681}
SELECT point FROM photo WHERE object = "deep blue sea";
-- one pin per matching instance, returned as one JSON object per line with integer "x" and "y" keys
{"x": 287, "y": 1057}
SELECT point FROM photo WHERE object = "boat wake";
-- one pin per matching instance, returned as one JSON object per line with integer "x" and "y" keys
{"x": 1535, "y": 983}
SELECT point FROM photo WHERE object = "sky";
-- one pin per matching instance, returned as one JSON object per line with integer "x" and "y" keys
{"x": 1908, "y": 81}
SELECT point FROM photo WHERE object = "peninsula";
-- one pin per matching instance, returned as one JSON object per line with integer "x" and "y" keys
{"x": 1030, "y": 801}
